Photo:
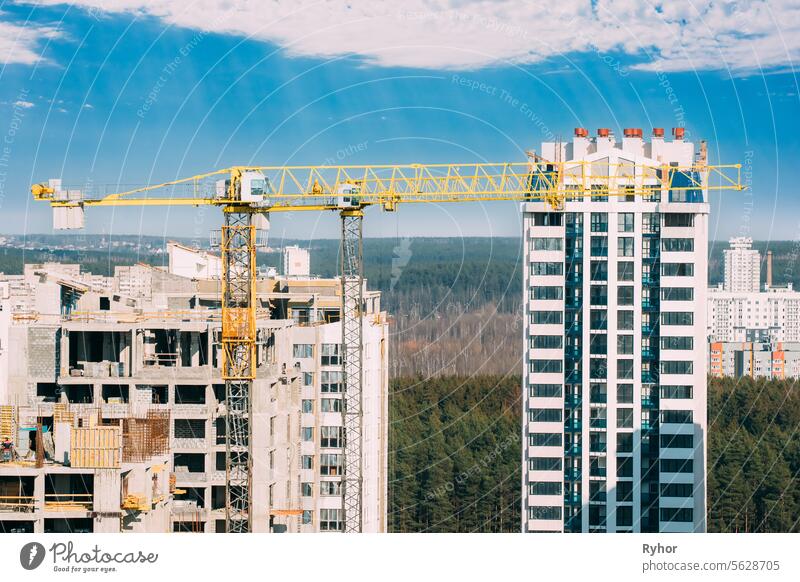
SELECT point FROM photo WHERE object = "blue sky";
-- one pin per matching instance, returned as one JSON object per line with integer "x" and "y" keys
{"x": 143, "y": 91}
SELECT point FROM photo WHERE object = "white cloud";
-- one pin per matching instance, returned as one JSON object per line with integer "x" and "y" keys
{"x": 23, "y": 104}
{"x": 465, "y": 34}
{"x": 21, "y": 44}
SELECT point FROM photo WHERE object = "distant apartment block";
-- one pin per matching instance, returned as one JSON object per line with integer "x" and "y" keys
{"x": 744, "y": 313}
{"x": 742, "y": 266}
{"x": 776, "y": 361}
{"x": 129, "y": 366}
{"x": 614, "y": 428}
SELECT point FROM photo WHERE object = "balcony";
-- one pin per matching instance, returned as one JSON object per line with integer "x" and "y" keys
{"x": 572, "y": 474}
{"x": 572, "y": 352}
{"x": 597, "y": 472}
{"x": 597, "y": 423}
{"x": 597, "y": 448}
{"x": 572, "y": 400}
{"x": 572, "y": 499}
{"x": 572, "y": 450}
{"x": 572, "y": 425}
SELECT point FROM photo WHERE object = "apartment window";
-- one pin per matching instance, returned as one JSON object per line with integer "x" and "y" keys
{"x": 303, "y": 350}
{"x": 331, "y": 405}
{"x": 677, "y": 245}
{"x": 677, "y": 441}
{"x": 624, "y": 516}
{"x": 330, "y": 488}
{"x": 624, "y": 319}
{"x": 676, "y": 367}
{"x": 624, "y": 492}
{"x": 547, "y": 243}
{"x": 598, "y": 368}
{"x": 547, "y": 293}
{"x": 548, "y": 512}
{"x": 545, "y": 488}
{"x": 678, "y": 219}
{"x": 546, "y": 342}
{"x": 676, "y": 416}
{"x": 624, "y": 417}
{"x": 677, "y": 269}
{"x": 308, "y": 378}
{"x": 624, "y": 442}
{"x": 330, "y": 520}
{"x": 544, "y": 464}
{"x": 625, "y": 246}
{"x": 307, "y": 462}
{"x": 597, "y": 442}
{"x": 331, "y": 437}
{"x": 308, "y": 406}
{"x": 677, "y": 343}
{"x": 331, "y": 381}
{"x": 598, "y": 295}
{"x": 547, "y": 268}
{"x": 625, "y": 467}
{"x": 625, "y": 344}
{"x": 598, "y": 344}
{"x": 547, "y": 366}
{"x": 547, "y": 317}
{"x": 625, "y": 369}
{"x": 625, "y": 295}
{"x": 330, "y": 464}
{"x": 544, "y": 415}
{"x": 676, "y": 392}
{"x": 331, "y": 355}
{"x": 306, "y": 489}
{"x": 598, "y": 319}
{"x": 598, "y": 392}
{"x": 545, "y": 439}
{"x": 677, "y": 465}
{"x": 599, "y": 246}
{"x": 677, "y": 293}
{"x": 625, "y": 393}
{"x": 650, "y": 223}
{"x": 597, "y": 491}
{"x": 574, "y": 220}
{"x": 677, "y": 318}
{"x": 548, "y": 218}
{"x": 599, "y": 193}
{"x": 677, "y": 514}
{"x": 598, "y": 270}
{"x": 307, "y": 433}
{"x": 599, "y": 222}
{"x": 545, "y": 390}
{"x": 307, "y": 517}
{"x": 677, "y": 489}
{"x": 625, "y": 222}
{"x": 625, "y": 271}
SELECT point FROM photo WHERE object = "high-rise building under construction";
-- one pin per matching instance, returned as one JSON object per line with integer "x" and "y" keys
{"x": 614, "y": 421}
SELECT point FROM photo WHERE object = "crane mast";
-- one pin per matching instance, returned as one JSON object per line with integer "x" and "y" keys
{"x": 243, "y": 192}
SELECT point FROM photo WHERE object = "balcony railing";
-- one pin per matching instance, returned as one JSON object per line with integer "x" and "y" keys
{"x": 572, "y": 425}
{"x": 572, "y": 450}
{"x": 572, "y": 474}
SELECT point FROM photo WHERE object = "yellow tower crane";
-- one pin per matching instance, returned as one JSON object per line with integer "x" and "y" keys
{"x": 246, "y": 193}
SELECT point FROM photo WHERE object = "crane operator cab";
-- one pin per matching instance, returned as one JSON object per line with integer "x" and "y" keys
{"x": 349, "y": 195}
{"x": 253, "y": 188}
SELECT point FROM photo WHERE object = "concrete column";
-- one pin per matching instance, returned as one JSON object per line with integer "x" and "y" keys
{"x": 107, "y": 483}
{"x": 64, "y": 353}
{"x": 195, "y": 348}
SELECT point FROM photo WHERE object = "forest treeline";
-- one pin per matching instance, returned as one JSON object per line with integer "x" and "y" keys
{"x": 455, "y": 455}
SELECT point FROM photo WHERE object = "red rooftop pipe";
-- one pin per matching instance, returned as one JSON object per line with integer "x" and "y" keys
{"x": 658, "y": 132}
{"x": 581, "y": 132}
{"x": 603, "y": 132}
{"x": 677, "y": 132}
